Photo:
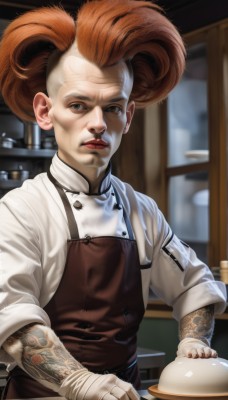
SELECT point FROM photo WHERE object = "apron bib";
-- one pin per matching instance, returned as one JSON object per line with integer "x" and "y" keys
{"x": 97, "y": 308}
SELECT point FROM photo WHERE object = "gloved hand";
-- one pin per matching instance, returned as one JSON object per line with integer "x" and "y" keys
{"x": 195, "y": 348}
{"x": 85, "y": 385}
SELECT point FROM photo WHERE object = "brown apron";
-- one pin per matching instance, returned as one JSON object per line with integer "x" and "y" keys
{"x": 97, "y": 308}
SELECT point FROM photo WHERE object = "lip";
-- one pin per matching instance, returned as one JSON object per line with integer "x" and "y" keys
{"x": 96, "y": 144}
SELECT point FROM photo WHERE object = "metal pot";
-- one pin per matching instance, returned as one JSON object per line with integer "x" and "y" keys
{"x": 48, "y": 142}
{"x": 32, "y": 135}
{"x": 19, "y": 174}
{"x": 3, "y": 175}
{"x": 6, "y": 142}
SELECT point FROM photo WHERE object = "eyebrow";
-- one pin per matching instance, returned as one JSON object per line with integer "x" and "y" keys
{"x": 86, "y": 98}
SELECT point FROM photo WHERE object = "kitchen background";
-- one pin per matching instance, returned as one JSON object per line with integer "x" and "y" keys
{"x": 177, "y": 151}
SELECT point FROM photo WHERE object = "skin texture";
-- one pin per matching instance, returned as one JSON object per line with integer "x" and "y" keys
{"x": 199, "y": 324}
{"x": 40, "y": 353}
{"x": 86, "y": 103}
{"x": 195, "y": 331}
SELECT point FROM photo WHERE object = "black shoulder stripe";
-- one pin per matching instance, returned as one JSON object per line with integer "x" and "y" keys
{"x": 172, "y": 257}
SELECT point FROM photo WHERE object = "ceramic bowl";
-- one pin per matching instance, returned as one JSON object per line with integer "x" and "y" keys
{"x": 197, "y": 376}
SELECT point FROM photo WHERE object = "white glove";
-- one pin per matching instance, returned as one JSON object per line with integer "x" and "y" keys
{"x": 195, "y": 348}
{"x": 85, "y": 385}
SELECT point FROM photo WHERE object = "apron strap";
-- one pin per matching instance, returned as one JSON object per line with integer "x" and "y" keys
{"x": 69, "y": 213}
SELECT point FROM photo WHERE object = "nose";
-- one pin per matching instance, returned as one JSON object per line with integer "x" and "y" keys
{"x": 96, "y": 123}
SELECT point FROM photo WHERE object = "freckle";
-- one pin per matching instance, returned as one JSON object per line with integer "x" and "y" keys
{"x": 37, "y": 359}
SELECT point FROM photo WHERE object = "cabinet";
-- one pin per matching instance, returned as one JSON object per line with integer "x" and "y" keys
{"x": 35, "y": 161}
{"x": 194, "y": 146}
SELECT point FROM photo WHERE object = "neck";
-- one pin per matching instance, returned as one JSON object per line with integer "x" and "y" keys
{"x": 95, "y": 181}
{"x": 92, "y": 174}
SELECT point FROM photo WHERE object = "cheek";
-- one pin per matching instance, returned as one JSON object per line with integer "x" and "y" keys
{"x": 61, "y": 119}
{"x": 116, "y": 140}
{"x": 117, "y": 123}
{"x": 58, "y": 112}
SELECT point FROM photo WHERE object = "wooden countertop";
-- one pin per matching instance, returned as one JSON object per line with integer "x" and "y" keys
{"x": 145, "y": 394}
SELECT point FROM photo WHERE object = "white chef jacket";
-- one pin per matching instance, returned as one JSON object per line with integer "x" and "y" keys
{"x": 33, "y": 246}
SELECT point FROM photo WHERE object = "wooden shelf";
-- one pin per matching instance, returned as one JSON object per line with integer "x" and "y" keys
{"x": 156, "y": 308}
{"x": 27, "y": 153}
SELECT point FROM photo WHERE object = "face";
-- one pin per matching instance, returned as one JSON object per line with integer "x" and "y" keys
{"x": 89, "y": 110}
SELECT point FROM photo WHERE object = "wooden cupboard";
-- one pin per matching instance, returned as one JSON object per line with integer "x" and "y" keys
{"x": 194, "y": 146}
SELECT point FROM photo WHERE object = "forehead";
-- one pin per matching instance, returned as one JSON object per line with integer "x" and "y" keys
{"x": 73, "y": 71}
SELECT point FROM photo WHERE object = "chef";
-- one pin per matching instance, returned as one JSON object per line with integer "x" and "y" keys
{"x": 79, "y": 248}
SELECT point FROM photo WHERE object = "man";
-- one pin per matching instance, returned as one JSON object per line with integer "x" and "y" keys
{"x": 79, "y": 248}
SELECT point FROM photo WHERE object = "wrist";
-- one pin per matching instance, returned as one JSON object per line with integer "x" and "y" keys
{"x": 200, "y": 340}
{"x": 71, "y": 385}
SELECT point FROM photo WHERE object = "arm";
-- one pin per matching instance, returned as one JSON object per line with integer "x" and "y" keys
{"x": 195, "y": 332}
{"x": 39, "y": 352}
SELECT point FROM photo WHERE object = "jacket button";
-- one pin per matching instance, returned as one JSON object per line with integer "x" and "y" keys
{"x": 87, "y": 239}
{"x": 117, "y": 207}
{"x": 77, "y": 205}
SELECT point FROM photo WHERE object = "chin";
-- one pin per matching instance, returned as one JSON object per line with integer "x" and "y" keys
{"x": 96, "y": 162}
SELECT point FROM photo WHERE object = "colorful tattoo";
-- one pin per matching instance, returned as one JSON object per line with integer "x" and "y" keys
{"x": 43, "y": 356}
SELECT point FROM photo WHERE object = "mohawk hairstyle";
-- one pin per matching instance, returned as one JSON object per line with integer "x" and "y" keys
{"x": 106, "y": 32}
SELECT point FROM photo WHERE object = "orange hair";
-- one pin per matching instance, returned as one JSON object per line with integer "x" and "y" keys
{"x": 107, "y": 32}
{"x": 24, "y": 51}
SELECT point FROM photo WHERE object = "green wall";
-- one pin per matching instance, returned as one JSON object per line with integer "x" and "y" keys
{"x": 159, "y": 334}
{"x": 220, "y": 338}
{"x": 162, "y": 334}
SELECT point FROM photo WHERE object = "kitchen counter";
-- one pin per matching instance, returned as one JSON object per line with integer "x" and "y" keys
{"x": 156, "y": 308}
{"x": 146, "y": 396}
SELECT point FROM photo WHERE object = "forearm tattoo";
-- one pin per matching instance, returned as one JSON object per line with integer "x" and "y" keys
{"x": 43, "y": 356}
{"x": 199, "y": 324}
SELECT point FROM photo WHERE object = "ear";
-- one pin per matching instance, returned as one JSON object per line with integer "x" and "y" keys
{"x": 130, "y": 113}
{"x": 41, "y": 106}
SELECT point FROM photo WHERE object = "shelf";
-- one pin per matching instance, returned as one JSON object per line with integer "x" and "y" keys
{"x": 185, "y": 169}
{"x": 156, "y": 308}
{"x": 27, "y": 153}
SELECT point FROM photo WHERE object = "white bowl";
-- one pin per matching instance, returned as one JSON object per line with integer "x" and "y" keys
{"x": 191, "y": 376}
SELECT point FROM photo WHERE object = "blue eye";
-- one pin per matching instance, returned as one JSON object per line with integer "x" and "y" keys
{"x": 114, "y": 109}
{"x": 78, "y": 107}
